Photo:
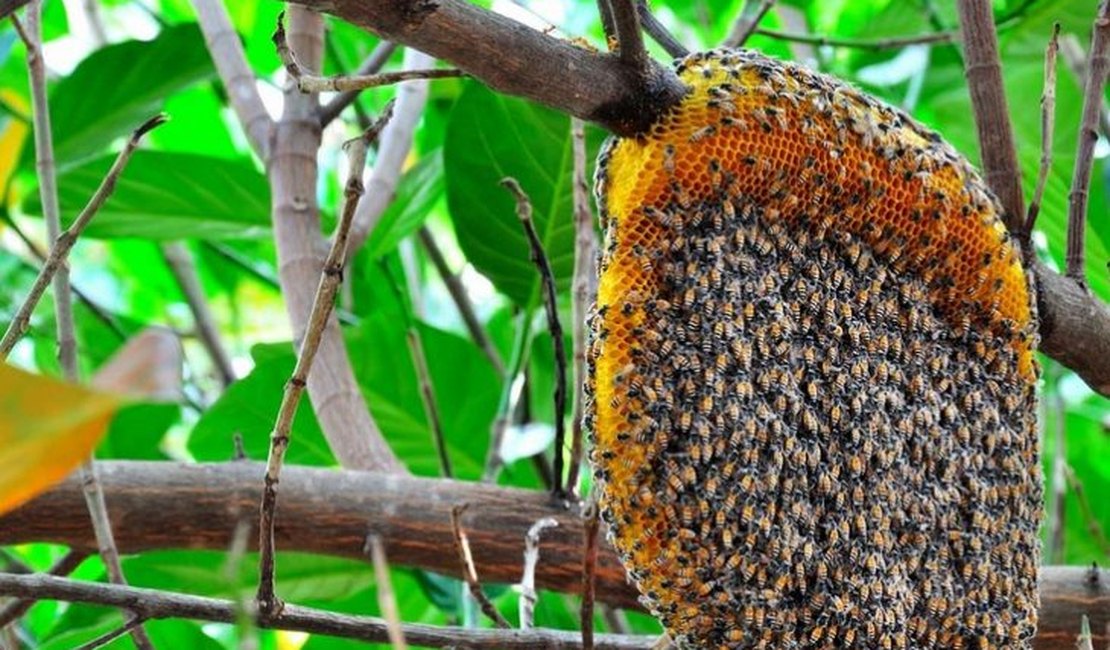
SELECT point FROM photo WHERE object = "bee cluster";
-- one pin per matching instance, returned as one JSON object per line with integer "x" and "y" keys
{"x": 811, "y": 375}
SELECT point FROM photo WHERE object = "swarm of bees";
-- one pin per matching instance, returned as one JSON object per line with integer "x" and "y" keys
{"x": 812, "y": 374}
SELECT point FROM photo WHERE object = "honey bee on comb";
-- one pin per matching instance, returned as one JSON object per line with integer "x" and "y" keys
{"x": 867, "y": 360}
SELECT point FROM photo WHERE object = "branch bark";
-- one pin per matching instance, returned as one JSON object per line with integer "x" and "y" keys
{"x": 170, "y": 505}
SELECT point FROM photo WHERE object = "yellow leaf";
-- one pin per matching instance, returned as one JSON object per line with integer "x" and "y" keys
{"x": 47, "y": 427}
{"x": 13, "y": 133}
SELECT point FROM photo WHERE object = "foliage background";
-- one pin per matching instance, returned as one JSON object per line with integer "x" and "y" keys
{"x": 196, "y": 182}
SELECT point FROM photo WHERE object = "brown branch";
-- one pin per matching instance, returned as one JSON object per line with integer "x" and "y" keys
{"x": 551, "y": 306}
{"x": 1098, "y": 64}
{"x": 63, "y": 567}
{"x": 746, "y": 24}
{"x": 153, "y": 605}
{"x": 1075, "y": 327}
{"x": 983, "y": 70}
{"x": 112, "y": 635}
{"x": 174, "y": 505}
{"x": 373, "y": 63}
{"x": 589, "y": 571}
{"x": 387, "y": 602}
{"x": 1048, "y": 123}
{"x": 470, "y": 574}
{"x": 658, "y": 32}
{"x": 528, "y": 576}
{"x": 428, "y": 398}
{"x": 459, "y": 296}
{"x": 306, "y": 355}
{"x": 630, "y": 39}
{"x": 876, "y": 44}
{"x": 184, "y": 271}
{"x": 1076, "y": 60}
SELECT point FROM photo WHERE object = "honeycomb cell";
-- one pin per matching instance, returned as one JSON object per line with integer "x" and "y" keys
{"x": 812, "y": 374}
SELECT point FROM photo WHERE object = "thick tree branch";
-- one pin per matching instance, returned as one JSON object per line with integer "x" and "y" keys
{"x": 172, "y": 505}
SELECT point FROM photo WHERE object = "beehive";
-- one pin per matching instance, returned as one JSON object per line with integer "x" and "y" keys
{"x": 812, "y": 374}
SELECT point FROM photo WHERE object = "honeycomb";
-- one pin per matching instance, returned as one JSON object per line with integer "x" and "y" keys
{"x": 812, "y": 375}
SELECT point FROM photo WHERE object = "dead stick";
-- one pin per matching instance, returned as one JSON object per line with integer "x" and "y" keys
{"x": 470, "y": 574}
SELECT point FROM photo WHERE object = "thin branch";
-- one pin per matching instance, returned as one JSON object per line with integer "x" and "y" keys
{"x": 387, "y": 602}
{"x": 154, "y": 605}
{"x": 1097, "y": 67}
{"x": 589, "y": 571}
{"x": 983, "y": 70}
{"x": 659, "y": 32}
{"x": 630, "y": 40}
{"x": 528, "y": 577}
{"x": 470, "y": 574}
{"x": 1093, "y": 525}
{"x": 462, "y": 301}
{"x": 750, "y": 16}
{"x": 54, "y": 266}
{"x": 890, "y": 43}
{"x": 184, "y": 270}
{"x": 584, "y": 287}
{"x": 393, "y": 149}
{"x": 551, "y": 305}
{"x": 235, "y": 73}
{"x": 373, "y": 63}
{"x": 1048, "y": 124}
{"x": 428, "y": 397}
{"x": 111, "y": 635}
{"x": 318, "y": 317}
{"x": 1057, "y": 521}
{"x": 63, "y": 567}
{"x": 605, "y": 13}
{"x": 1076, "y": 60}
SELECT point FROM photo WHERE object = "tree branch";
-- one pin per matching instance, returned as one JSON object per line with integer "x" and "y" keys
{"x": 173, "y": 505}
{"x": 154, "y": 604}
{"x": 373, "y": 63}
{"x": 184, "y": 271}
{"x": 745, "y": 25}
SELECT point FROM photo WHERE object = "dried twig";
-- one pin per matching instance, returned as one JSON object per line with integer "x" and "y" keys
{"x": 373, "y": 63}
{"x": 184, "y": 270}
{"x": 891, "y": 43}
{"x": 321, "y": 309}
{"x": 1084, "y": 642}
{"x": 745, "y": 26}
{"x": 54, "y": 265}
{"x": 64, "y": 566}
{"x": 658, "y": 32}
{"x": 1076, "y": 60}
{"x": 1048, "y": 123}
{"x": 988, "y": 99}
{"x": 428, "y": 397}
{"x": 231, "y": 64}
{"x": 387, "y": 602}
{"x": 462, "y": 301}
{"x": 584, "y": 290}
{"x": 528, "y": 579}
{"x": 1097, "y": 67}
{"x": 589, "y": 571}
{"x": 112, "y": 635}
{"x": 547, "y": 278}
{"x": 630, "y": 40}
{"x": 154, "y": 604}
{"x": 470, "y": 574}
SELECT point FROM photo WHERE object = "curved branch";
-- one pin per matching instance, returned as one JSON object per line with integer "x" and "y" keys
{"x": 172, "y": 505}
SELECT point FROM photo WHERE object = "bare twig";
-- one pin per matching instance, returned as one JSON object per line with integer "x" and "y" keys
{"x": 988, "y": 99}
{"x": 387, "y": 602}
{"x": 470, "y": 574}
{"x": 373, "y": 63}
{"x": 393, "y": 149}
{"x": 54, "y": 266}
{"x": 658, "y": 32}
{"x": 589, "y": 571}
{"x": 1097, "y": 67}
{"x": 112, "y": 635}
{"x": 1048, "y": 123}
{"x": 584, "y": 289}
{"x": 231, "y": 64}
{"x": 891, "y": 43}
{"x": 1093, "y": 525}
{"x": 462, "y": 301}
{"x": 321, "y": 309}
{"x": 1057, "y": 521}
{"x": 1076, "y": 60}
{"x": 184, "y": 270}
{"x": 428, "y": 397}
{"x": 154, "y": 604}
{"x": 518, "y": 358}
{"x": 630, "y": 40}
{"x": 547, "y": 278}
{"x": 528, "y": 579}
{"x": 745, "y": 26}
{"x": 64, "y": 566}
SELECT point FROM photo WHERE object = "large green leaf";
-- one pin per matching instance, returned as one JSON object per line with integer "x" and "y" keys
{"x": 489, "y": 137}
{"x": 418, "y": 191}
{"x": 163, "y": 195}
{"x": 119, "y": 86}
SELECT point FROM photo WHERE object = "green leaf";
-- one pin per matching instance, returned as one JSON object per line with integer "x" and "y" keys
{"x": 119, "y": 86}
{"x": 248, "y": 407}
{"x": 489, "y": 137}
{"x": 136, "y": 432}
{"x": 163, "y": 195}
{"x": 418, "y": 191}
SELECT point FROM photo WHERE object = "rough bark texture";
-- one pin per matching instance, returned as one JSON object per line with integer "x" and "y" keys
{"x": 168, "y": 505}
